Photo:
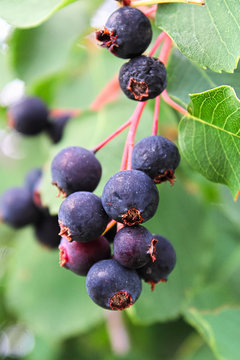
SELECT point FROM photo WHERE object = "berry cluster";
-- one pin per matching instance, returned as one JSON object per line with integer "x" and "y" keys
{"x": 22, "y": 206}
{"x": 127, "y": 34}
{"x": 30, "y": 116}
{"x": 129, "y": 197}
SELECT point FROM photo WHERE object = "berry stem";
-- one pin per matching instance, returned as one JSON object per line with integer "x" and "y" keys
{"x": 156, "y": 115}
{"x": 166, "y": 49}
{"x": 150, "y": 12}
{"x": 109, "y": 94}
{"x": 158, "y": 41}
{"x": 133, "y": 129}
{"x": 152, "y": 2}
{"x": 112, "y": 136}
{"x": 65, "y": 112}
{"x": 172, "y": 103}
{"x": 117, "y": 333}
{"x": 109, "y": 226}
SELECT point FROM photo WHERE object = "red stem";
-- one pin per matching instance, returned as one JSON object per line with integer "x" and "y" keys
{"x": 112, "y": 136}
{"x": 65, "y": 112}
{"x": 158, "y": 41}
{"x": 172, "y": 103}
{"x": 133, "y": 129}
{"x": 156, "y": 115}
{"x": 150, "y": 12}
{"x": 166, "y": 49}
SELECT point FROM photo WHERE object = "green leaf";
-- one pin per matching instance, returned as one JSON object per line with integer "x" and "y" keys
{"x": 46, "y": 296}
{"x": 186, "y": 77}
{"x": 209, "y": 136}
{"x": 190, "y": 240}
{"x": 208, "y": 35}
{"x": 44, "y": 50}
{"x": 28, "y": 13}
{"x": 220, "y": 329}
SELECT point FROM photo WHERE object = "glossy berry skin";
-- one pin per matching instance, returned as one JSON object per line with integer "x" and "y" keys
{"x": 46, "y": 231}
{"x": 79, "y": 257}
{"x": 32, "y": 178}
{"x": 112, "y": 286}
{"x": 133, "y": 247}
{"x": 130, "y": 197}
{"x": 17, "y": 208}
{"x": 75, "y": 169}
{"x": 55, "y": 128}
{"x": 28, "y": 116}
{"x": 143, "y": 78}
{"x": 127, "y": 33}
{"x": 165, "y": 262}
{"x": 157, "y": 156}
{"x": 81, "y": 217}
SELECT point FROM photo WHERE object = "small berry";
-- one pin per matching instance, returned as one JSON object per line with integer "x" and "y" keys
{"x": 75, "y": 169}
{"x": 46, "y": 231}
{"x": 17, "y": 208}
{"x": 130, "y": 197}
{"x": 156, "y": 271}
{"x": 56, "y": 127}
{"x": 29, "y": 116}
{"x": 81, "y": 217}
{"x": 134, "y": 247}
{"x": 79, "y": 257}
{"x": 112, "y": 286}
{"x": 127, "y": 33}
{"x": 142, "y": 78}
{"x": 157, "y": 156}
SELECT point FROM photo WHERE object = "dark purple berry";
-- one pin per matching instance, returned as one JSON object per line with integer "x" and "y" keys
{"x": 165, "y": 261}
{"x": 134, "y": 247}
{"x": 157, "y": 156}
{"x": 79, "y": 257}
{"x": 32, "y": 178}
{"x": 130, "y": 197}
{"x": 142, "y": 78}
{"x": 17, "y": 208}
{"x": 81, "y": 217}
{"x": 127, "y": 33}
{"x": 29, "y": 116}
{"x": 46, "y": 231}
{"x": 112, "y": 286}
{"x": 56, "y": 127}
{"x": 75, "y": 169}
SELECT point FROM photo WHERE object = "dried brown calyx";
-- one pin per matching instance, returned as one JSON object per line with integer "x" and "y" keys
{"x": 152, "y": 249}
{"x": 120, "y": 301}
{"x": 63, "y": 259}
{"x": 132, "y": 217}
{"x": 107, "y": 38}
{"x": 168, "y": 175}
{"x": 139, "y": 89}
{"x": 64, "y": 231}
{"x": 61, "y": 192}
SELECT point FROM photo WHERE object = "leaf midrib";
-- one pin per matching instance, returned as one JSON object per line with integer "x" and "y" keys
{"x": 212, "y": 125}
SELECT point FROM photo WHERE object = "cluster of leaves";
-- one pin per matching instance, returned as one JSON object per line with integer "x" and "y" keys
{"x": 48, "y": 50}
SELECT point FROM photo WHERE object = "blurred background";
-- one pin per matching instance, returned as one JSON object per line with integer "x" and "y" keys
{"x": 45, "y": 312}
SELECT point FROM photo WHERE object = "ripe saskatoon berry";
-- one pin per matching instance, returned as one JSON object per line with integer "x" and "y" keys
{"x": 17, "y": 208}
{"x": 75, "y": 169}
{"x": 46, "y": 231}
{"x": 157, "y": 156}
{"x": 112, "y": 286}
{"x": 142, "y": 78}
{"x": 127, "y": 33}
{"x": 56, "y": 127}
{"x": 134, "y": 246}
{"x": 81, "y": 217}
{"x": 79, "y": 257}
{"x": 130, "y": 197}
{"x": 156, "y": 271}
{"x": 29, "y": 116}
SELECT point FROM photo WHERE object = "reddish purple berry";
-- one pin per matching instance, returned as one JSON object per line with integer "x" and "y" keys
{"x": 79, "y": 257}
